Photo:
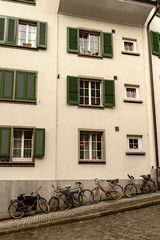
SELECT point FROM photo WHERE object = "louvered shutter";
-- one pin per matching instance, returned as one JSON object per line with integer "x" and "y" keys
{"x": 42, "y": 34}
{"x": 108, "y": 93}
{"x": 73, "y": 40}
{"x": 30, "y": 86}
{"x": 3, "y": 21}
{"x": 11, "y": 30}
{"x": 155, "y": 43}
{"x": 107, "y": 45}
{"x": 8, "y": 78}
{"x": 39, "y": 142}
{"x": 72, "y": 90}
{"x": 20, "y": 86}
{"x": 5, "y": 141}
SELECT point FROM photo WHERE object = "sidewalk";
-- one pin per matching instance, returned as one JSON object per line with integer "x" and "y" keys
{"x": 81, "y": 213}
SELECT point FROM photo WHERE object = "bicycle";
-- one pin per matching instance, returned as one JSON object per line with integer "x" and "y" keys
{"x": 114, "y": 190}
{"x": 24, "y": 204}
{"x": 147, "y": 186}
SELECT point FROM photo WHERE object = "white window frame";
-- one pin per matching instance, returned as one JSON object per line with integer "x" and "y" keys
{"x": 139, "y": 139}
{"x": 89, "y": 96}
{"x": 22, "y": 158}
{"x": 89, "y": 33}
{"x": 134, "y": 42}
{"x": 28, "y": 24}
{"x": 136, "y": 87}
{"x": 91, "y": 132}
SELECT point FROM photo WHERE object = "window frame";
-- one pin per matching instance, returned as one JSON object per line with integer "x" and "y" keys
{"x": 28, "y": 24}
{"x": 92, "y": 131}
{"x": 135, "y": 46}
{"x": 14, "y": 99}
{"x": 130, "y": 99}
{"x": 135, "y": 151}
{"x": 22, "y": 1}
{"x": 90, "y": 80}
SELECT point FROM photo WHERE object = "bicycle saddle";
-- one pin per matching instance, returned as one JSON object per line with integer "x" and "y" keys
{"x": 79, "y": 183}
{"x": 22, "y": 194}
{"x": 68, "y": 186}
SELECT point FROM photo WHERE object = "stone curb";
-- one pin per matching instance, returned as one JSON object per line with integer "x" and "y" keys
{"x": 100, "y": 213}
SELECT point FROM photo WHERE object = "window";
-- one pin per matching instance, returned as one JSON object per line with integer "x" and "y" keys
{"x": 22, "y": 147}
{"x": 134, "y": 143}
{"x": 17, "y": 85}
{"x": 24, "y": 1}
{"x": 19, "y": 145}
{"x": 129, "y": 45}
{"x": 91, "y": 146}
{"x": 132, "y": 93}
{"x": 88, "y": 42}
{"x": 14, "y": 32}
{"x": 90, "y": 92}
{"x": 27, "y": 35}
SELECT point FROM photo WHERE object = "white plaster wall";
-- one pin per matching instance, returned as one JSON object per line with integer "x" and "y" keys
{"x": 43, "y": 114}
{"x": 130, "y": 117}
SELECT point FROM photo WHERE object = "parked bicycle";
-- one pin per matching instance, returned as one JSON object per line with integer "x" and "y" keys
{"x": 67, "y": 197}
{"x": 114, "y": 190}
{"x": 147, "y": 186}
{"x": 24, "y": 204}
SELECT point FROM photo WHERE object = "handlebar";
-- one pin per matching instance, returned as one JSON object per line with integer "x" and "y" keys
{"x": 98, "y": 181}
{"x": 131, "y": 177}
{"x": 36, "y": 191}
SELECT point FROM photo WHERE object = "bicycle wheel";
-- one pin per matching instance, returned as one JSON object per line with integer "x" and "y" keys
{"x": 130, "y": 190}
{"x": 86, "y": 197}
{"x": 97, "y": 195}
{"x": 150, "y": 186}
{"x": 15, "y": 209}
{"x": 116, "y": 191}
{"x": 53, "y": 204}
{"x": 65, "y": 202}
{"x": 76, "y": 199}
{"x": 43, "y": 205}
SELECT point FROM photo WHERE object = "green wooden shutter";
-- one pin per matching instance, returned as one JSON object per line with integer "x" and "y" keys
{"x": 1, "y": 83}
{"x": 73, "y": 40}
{"x": 107, "y": 45}
{"x": 5, "y": 141}
{"x": 20, "y": 85}
{"x": 3, "y": 21}
{"x": 155, "y": 43}
{"x": 30, "y": 86}
{"x": 42, "y": 34}
{"x": 72, "y": 90}
{"x": 8, "y": 78}
{"x": 11, "y": 30}
{"x": 39, "y": 142}
{"x": 109, "y": 93}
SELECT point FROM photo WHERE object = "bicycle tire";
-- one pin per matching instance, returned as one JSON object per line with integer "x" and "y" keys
{"x": 116, "y": 191}
{"x": 43, "y": 205}
{"x": 65, "y": 202}
{"x": 13, "y": 209}
{"x": 150, "y": 186}
{"x": 53, "y": 204}
{"x": 86, "y": 197}
{"x": 130, "y": 190}
{"x": 97, "y": 195}
{"x": 76, "y": 199}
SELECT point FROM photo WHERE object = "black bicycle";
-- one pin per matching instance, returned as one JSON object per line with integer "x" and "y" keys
{"x": 147, "y": 186}
{"x": 24, "y": 204}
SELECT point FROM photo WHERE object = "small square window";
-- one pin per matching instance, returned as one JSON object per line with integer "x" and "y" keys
{"x": 134, "y": 143}
{"x": 131, "y": 92}
{"x": 129, "y": 46}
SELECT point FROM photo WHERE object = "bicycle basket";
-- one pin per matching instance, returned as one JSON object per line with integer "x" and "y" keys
{"x": 114, "y": 181}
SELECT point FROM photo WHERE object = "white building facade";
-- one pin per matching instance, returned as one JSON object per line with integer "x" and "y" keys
{"x": 75, "y": 94}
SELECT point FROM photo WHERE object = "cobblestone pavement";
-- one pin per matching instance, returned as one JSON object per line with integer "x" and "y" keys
{"x": 140, "y": 224}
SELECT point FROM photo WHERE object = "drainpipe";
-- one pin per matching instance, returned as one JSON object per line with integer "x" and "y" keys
{"x": 152, "y": 86}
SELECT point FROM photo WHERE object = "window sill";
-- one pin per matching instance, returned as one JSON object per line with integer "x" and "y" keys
{"x": 132, "y": 101}
{"x": 90, "y": 56}
{"x": 18, "y": 101}
{"x": 135, "y": 153}
{"x": 20, "y": 47}
{"x": 91, "y": 106}
{"x": 17, "y": 164}
{"x": 92, "y": 161}
{"x": 130, "y": 53}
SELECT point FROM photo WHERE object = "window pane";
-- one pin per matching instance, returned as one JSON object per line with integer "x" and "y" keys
{"x": 17, "y": 153}
{"x": 17, "y": 143}
{"x": 27, "y": 153}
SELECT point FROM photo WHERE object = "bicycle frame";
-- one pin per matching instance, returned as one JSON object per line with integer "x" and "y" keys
{"x": 108, "y": 190}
